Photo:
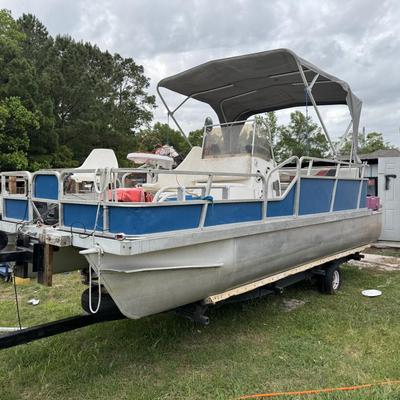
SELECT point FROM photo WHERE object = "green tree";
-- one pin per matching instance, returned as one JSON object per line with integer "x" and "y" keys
{"x": 37, "y": 47}
{"x": 82, "y": 97}
{"x": 160, "y": 134}
{"x": 15, "y": 123}
{"x": 196, "y": 137}
{"x": 100, "y": 99}
{"x": 367, "y": 143}
{"x": 268, "y": 123}
{"x": 16, "y": 72}
{"x": 302, "y": 137}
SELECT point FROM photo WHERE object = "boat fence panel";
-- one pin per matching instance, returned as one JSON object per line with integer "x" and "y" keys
{"x": 86, "y": 217}
{"x": 346, "y": 195}
{"x": 16, "y": 209}
{"x": 45, "y": 186}
{"x": 15, "y": 196}
{"x": 153, "y": 219}
{"x": 228, "y": 213}
{"x": 283, "y": 207}
{"x": 315, "y": 195}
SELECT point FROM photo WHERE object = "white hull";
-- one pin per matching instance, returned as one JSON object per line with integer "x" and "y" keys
{"x": 175, "y": 273}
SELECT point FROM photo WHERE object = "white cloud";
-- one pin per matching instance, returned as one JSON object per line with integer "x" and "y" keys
{"x": 357, "y": 40}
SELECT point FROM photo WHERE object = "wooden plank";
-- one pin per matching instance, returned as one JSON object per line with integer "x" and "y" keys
{"x": 270, "y": 279}
{"x": 12, "y": 185}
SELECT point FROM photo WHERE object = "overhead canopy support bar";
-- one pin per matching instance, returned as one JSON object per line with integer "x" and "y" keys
{"x": 310, "y": 95}
{"x": 171, "y": 114}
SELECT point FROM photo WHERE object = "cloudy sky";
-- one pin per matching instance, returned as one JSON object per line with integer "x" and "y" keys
{"x": 356, "y": 40}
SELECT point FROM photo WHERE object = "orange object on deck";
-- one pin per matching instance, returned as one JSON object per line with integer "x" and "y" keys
{"x": 133, "y": 195}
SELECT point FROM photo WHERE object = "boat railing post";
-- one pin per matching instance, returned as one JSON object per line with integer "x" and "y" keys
{"x": 337, "y": 173}
{"x": 3, "y": 183}
{"x": 296, "y": 204}
{"x": 114, "y": 187}
{"x": 361, "y": 185}
{"x": 29, "y": 195}
{"x": 310, "y": 165}
{"x": 106, "y": 214}
{"x": 265, "y": 193}
{"x": 181, "y": 193}
{"x": 205, "y": 205}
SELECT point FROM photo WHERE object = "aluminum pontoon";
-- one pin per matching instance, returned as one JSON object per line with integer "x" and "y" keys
{"x": 226, "y": 218}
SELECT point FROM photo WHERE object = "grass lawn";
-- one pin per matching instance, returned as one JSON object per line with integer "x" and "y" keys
{"x": 252, "y": 347}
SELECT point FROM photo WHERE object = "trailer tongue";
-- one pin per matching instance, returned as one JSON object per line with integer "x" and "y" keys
{"x": 54, "y": 328}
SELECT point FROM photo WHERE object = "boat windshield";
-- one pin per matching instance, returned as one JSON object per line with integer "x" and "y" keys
{"x": 236, "y": 139}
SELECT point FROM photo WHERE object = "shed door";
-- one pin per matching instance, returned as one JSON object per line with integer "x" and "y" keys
{"x": 389, "y": 193}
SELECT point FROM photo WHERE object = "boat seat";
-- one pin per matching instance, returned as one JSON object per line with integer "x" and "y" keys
{"x": 98, "y": 158}
{"x": 190, "y": 163}
{"x": 194, "y": 162}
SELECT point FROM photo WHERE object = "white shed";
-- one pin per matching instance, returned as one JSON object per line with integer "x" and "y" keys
{"x": 384, "y": 181}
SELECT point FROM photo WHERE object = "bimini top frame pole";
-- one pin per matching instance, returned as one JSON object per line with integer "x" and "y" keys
{"x": 308, "y": 88}
{"x": 239, "y": 87}
{"x": 172, "y": 112}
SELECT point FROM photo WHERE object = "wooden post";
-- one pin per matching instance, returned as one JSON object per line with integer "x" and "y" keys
{"x": 45, "y": 277}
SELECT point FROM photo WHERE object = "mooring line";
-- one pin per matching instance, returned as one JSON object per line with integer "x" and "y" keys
{"x": 318, "y": 391}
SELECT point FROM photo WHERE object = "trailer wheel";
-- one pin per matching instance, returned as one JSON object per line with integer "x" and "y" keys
{"x": 107, "y": 304}
{"x": 332, "y": 280}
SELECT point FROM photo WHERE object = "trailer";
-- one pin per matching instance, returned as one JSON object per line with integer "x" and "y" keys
{"x": 326, "y": 270}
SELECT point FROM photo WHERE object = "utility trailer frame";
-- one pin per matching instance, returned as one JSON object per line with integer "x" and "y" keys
{"x": 345, "y": 255}
{"x": 269, "y": 285}
{"x": 196, "y": 312}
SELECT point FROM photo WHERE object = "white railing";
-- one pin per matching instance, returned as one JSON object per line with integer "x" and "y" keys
{"x": 106, "y": 181}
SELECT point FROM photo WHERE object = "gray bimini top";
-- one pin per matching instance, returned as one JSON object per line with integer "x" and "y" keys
{"x": 238, "y": 87}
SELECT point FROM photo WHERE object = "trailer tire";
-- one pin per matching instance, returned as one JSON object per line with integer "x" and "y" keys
{"x": 332, "y": 280}
{"x": 107, "y": 305}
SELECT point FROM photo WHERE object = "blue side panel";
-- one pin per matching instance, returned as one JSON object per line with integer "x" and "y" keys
{"x": 82, "y": 216}
{"x": 152, "y": 219}
{"x": 46, "y": 187}
{"x": 229, "y": 213}
{"x": 282, "y": 207}
{"x": 346, "y": 195}
{"x": 363, "y": 200}
{"x": 16, "y": 209}
{"x": 315, "y": 195}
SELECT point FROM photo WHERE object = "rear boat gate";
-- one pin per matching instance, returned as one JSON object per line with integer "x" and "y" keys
{"x": 195, "y": 312}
